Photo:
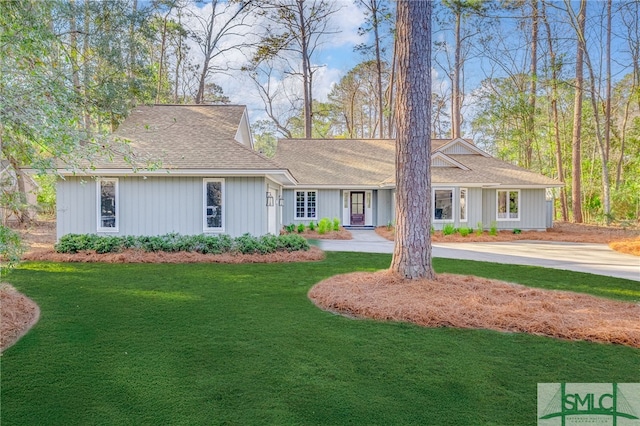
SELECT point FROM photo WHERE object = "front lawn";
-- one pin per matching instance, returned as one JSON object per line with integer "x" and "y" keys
{"x": 242, "y": 344}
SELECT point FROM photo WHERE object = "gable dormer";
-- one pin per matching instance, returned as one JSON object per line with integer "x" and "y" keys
{"x": 438, "y": 159}
{"x": 460, "y": 146}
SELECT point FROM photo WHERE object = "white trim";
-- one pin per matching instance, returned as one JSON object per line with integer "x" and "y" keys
{"x": 205, "y": 228}
{"x": 341, "y": 187}
{"x": 447, "y": 159}
{"x": 306, "y": 204}
{"x": 271, "y": 173}
{"x": 466, "y": 205}
{"x": 272, "y": 210}
{"x": 507, "y": 219}
{"x": 466, "y": 144}
{"x": 511, "y": 186}
{"x": 453, "y": 205}
{"x": 244, "y": 120}
{"x": 99, "y": 227}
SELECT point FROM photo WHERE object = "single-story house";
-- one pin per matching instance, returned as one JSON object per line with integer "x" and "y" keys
{"x": 354, "y": 180}
{"x": 192, "y": 169}
{"x": 189, "y": 169}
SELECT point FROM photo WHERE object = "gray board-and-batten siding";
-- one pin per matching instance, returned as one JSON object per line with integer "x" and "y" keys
{"x": 160, "y": 205}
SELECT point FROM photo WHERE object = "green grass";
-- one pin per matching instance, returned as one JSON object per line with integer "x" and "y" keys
{"x": 242, "y": 345}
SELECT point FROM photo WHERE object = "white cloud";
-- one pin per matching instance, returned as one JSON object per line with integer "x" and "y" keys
{"x": 346, "y": 20}
{"x": 335, "y": 56}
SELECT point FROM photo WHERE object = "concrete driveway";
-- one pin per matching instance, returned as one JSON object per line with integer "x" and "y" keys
{"x": 591, "y": 258}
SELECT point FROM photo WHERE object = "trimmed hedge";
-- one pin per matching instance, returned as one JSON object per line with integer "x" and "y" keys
{"x": 206, "y": 244}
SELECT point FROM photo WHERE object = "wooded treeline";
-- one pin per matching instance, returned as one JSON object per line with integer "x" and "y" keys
{"x": 553, "y": 86}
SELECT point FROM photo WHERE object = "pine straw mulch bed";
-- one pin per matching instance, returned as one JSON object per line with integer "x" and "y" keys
{"x": 480, "y": 303}
{"x": 19, "y": 314}
{"x": 342, "y": 234}
{"x": 139, "y": 256}
{"x": 625, "y": 240}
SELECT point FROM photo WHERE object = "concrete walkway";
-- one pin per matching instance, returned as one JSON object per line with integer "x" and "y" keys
{"x": 596, "y": 259}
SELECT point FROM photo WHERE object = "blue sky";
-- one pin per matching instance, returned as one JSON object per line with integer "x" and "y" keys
{"x": 336, "y": 56}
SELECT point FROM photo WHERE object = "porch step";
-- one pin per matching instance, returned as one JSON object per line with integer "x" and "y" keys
{"x": 355, "y": 228}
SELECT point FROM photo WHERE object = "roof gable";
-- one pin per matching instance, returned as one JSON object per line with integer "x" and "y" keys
{"x": 460, "y": 146}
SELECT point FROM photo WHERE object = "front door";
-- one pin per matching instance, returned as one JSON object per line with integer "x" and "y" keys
{"x": 357, "y": 208}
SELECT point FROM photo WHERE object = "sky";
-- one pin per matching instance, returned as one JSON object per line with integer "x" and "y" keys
{"x": 336, "y": 56}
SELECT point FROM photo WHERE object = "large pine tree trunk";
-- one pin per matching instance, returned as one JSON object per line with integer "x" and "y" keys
{"x": 412, "y": 253}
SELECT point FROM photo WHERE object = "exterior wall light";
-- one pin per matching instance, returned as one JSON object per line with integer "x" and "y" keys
{"x": 270, "y": 200}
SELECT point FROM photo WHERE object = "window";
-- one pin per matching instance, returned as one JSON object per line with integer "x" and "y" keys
{"x": 508, "y": 205}
{"x": 443, "y": 204}
{"x": 108, "y": 205}
{"x": 213, "y": 194}
{"x": 463, "y": 204}
{"x": 306, "y": 204}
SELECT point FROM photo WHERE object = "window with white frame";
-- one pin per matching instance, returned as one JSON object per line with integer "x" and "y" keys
{"x": 443, "y": 204}
{"x": 463, "y": 204}
{"x": 508, "y": 204}
{"x": 306, "y": 202}
{"x": 213, "y": 196}
{"x": 108, "y": 205}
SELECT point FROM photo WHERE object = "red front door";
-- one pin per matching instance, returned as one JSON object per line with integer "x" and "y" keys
{"x": 357, "y": 208}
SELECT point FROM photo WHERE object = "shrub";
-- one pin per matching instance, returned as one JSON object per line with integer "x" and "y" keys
{"x": 246, "y": 244}
{"x": 517, "y": 231}
{"x": 292, "y": 243}
{"x": 312, "y": 226}
{"x": 448, "y": 229}
{"x": 290, "y": 228}
{"x": 213, "y": 244}
{"x": 464, "y": 231}
{"x": 268, "y": 244}
{"x": 480, "y": 228}
{"x": 73, "y": 243}
{"x": 324, "y": 226}
{"x": 130, "y": 241}
{"x": 336, "y": 224}
{"x": 494, "y": 229}
{"x": 205, "y": 244}
{"x": 153, "y": 244}
{"x": 301, "y": 228}
{"x": 108, "y": 245}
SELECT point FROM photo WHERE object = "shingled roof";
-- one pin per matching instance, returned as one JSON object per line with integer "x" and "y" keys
{"x": 371, "y": 162}
{"x": 187, "y": 137}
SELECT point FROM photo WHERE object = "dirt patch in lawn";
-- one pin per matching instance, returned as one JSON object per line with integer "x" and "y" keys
{"x": 18, "y": 315}
{"x": 479, "y": 303}
{"x": 626, "y": 240}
